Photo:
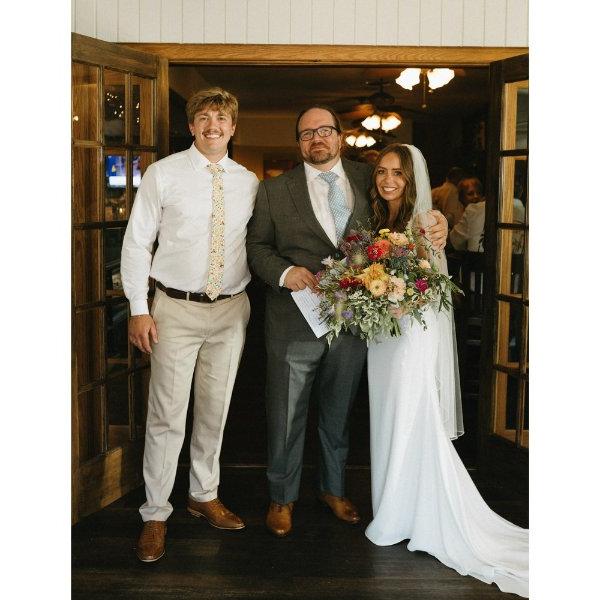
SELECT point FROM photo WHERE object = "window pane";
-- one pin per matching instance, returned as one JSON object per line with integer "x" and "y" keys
{"x": 140, "y": 382}
{"x": 509, "y": 335}
{"x": 89, "y": 415}
{"x": 115, "y": 185}
{"x": 114, "y": 107}
{"x": 86, "y": 266}
{"x": 86, "y": 171}
{"x": 84, "y": 90}
{"x": 515, "y": 115}
{"x": 88, "y": 345}
{"x": 511, "y": 261}
{"x": 117, "y": 343}
{"x": 511, "y": 208}
{"x": 113, "y": 241}
{"x": 506, "y": 395}
{"x": 117, "y": 411}
{"x": 142, "y": 99}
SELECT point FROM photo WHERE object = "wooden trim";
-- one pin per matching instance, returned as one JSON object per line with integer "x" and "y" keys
{"x": 162, "y": 107}
{"x": 114, "y": 56}
{"x": 296, "y": 54}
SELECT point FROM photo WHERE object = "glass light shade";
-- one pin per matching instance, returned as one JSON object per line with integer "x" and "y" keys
{"x": 439, "y": 77}
{"x": 390, "y": 122}
{"x": 361, "y": 141}
{"x": 409, "y": 78}
{"x": 370, "y": 141}
{"x": 351, "y": 140}
{"x": 372, "y": 122}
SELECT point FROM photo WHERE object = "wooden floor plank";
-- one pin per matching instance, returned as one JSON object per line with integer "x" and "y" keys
{"x": 323, "y": 558}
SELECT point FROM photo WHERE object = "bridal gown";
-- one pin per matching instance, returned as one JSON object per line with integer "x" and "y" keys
{"x": 420, "y": 488}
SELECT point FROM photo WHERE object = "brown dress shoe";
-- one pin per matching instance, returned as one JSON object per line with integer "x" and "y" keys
{"x": 279, "y": 518}
{"x": 215, "y": 513}
{"x": 151, "y": 544}
{"x": 342, "y": 507}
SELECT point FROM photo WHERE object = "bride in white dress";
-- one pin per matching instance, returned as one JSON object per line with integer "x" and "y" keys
{"x": 421, "y": 490}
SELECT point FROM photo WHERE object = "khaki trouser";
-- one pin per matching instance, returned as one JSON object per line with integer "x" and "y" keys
{"x": 193, "y": 337}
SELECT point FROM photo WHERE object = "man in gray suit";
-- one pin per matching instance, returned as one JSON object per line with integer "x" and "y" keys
{"x": 298, "y": 220}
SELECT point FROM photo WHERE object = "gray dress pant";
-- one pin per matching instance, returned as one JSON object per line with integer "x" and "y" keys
{"x": 294, "y": 368}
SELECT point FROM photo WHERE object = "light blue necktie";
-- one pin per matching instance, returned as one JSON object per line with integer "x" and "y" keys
{"x": 337, "y": 203}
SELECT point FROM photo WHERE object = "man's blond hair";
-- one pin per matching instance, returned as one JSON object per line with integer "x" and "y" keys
{"x": 215, "y": 98}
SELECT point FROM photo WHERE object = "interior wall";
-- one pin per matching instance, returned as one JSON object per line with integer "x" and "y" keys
{"x": 493, "y": 23}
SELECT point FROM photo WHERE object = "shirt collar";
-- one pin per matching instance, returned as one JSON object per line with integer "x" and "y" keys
{"x": 312, "y": 173}
{"x": 199, "y": 161}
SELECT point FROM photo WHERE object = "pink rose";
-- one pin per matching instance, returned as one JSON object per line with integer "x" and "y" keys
{"x": 421, "y": 285}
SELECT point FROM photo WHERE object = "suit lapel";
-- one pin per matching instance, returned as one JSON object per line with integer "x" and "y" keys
{"x": 298, "y": 189}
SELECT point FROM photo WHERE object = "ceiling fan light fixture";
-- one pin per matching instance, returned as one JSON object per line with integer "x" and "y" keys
{"x": 350, "y": 140}
{"x": 390, "y": 122}
{"x": 370, "y": 141}
{"x": 361, "y": 141}
{"x": 372, "y": 122}
{"x": 439, "y": 77}
{"x": 409, "y": 78}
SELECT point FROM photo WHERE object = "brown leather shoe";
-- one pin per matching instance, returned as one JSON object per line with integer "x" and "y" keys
{"x": 342, "y": 507}
{"x": 279, "y": 518}
{"x": 151, "y": 543}
{"x": 215, "y": 513}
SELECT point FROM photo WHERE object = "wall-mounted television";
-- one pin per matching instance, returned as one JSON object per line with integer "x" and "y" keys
{"x": 116, "y": 171}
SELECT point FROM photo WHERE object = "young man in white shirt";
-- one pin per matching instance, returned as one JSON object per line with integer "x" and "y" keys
{"x": 198, "y": 203}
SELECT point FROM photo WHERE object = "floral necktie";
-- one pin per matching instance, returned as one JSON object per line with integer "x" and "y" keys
{"x": 217, "y": 237}
{"x": 337, "y": 203}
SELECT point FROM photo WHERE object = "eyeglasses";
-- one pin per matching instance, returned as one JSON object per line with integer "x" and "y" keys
{"x": 324, "y": 131}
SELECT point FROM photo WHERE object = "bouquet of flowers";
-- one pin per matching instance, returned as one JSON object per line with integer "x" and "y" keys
{"x": 380, "y": 279}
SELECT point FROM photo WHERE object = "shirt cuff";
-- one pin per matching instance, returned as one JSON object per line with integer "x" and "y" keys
{"x": 282, "y": 278}
{"x": 138, "y": 307}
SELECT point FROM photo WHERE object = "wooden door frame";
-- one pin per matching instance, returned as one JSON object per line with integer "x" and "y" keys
{"x": 493, "y": 449}
{"x": 327, "y": 55}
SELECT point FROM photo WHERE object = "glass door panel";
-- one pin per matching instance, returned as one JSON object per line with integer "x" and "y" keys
{"x": 115, "y": 185}
{"x": 90, "y": 424}
{"x": 117, "y": 412}
{"x": 86, "y": 253}
{"x": 515, "y": 117}
{"x": 117, "y": 343}
{"x": 84, "y": 90}
{"x": 142, "y": 97}
{"x": 113, "y": 241}
{"x": 86, "y": 175}
{"x": 89, "y": 325}
{"x": 113, "y": 125}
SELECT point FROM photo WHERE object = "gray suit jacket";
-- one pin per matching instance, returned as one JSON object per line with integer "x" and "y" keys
{"x": 284, "y": 232}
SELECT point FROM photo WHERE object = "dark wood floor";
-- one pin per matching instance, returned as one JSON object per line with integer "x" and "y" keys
{"x": 322, "y": 558}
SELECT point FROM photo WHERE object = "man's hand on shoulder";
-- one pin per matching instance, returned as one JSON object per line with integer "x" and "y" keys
{"x": 297, "y": 278}
{"x": 438, "y": 232}
{"x": 141, "y": 329}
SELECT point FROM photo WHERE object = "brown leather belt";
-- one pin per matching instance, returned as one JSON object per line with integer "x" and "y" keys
{"x": 193, "y": 296}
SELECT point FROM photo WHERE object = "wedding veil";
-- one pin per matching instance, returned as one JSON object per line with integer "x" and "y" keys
{"x": 446, "y": 368}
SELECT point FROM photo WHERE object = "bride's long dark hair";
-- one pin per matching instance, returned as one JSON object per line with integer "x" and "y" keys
{"x": 409, "y": 196}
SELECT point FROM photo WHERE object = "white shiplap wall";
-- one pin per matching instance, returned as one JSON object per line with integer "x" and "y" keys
{"x": 364, "y": 22}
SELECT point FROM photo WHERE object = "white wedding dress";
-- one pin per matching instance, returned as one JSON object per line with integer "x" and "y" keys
{"x": 421, "y": 490}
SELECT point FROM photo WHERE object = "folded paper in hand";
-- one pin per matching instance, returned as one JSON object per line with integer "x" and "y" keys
{"x": 308, "y": 303}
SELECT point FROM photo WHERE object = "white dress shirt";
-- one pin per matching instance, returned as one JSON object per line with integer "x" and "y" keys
{"x": 174, "y": 201}
{"x": 318, "y": 190}
{"x": 467, "y": 234}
